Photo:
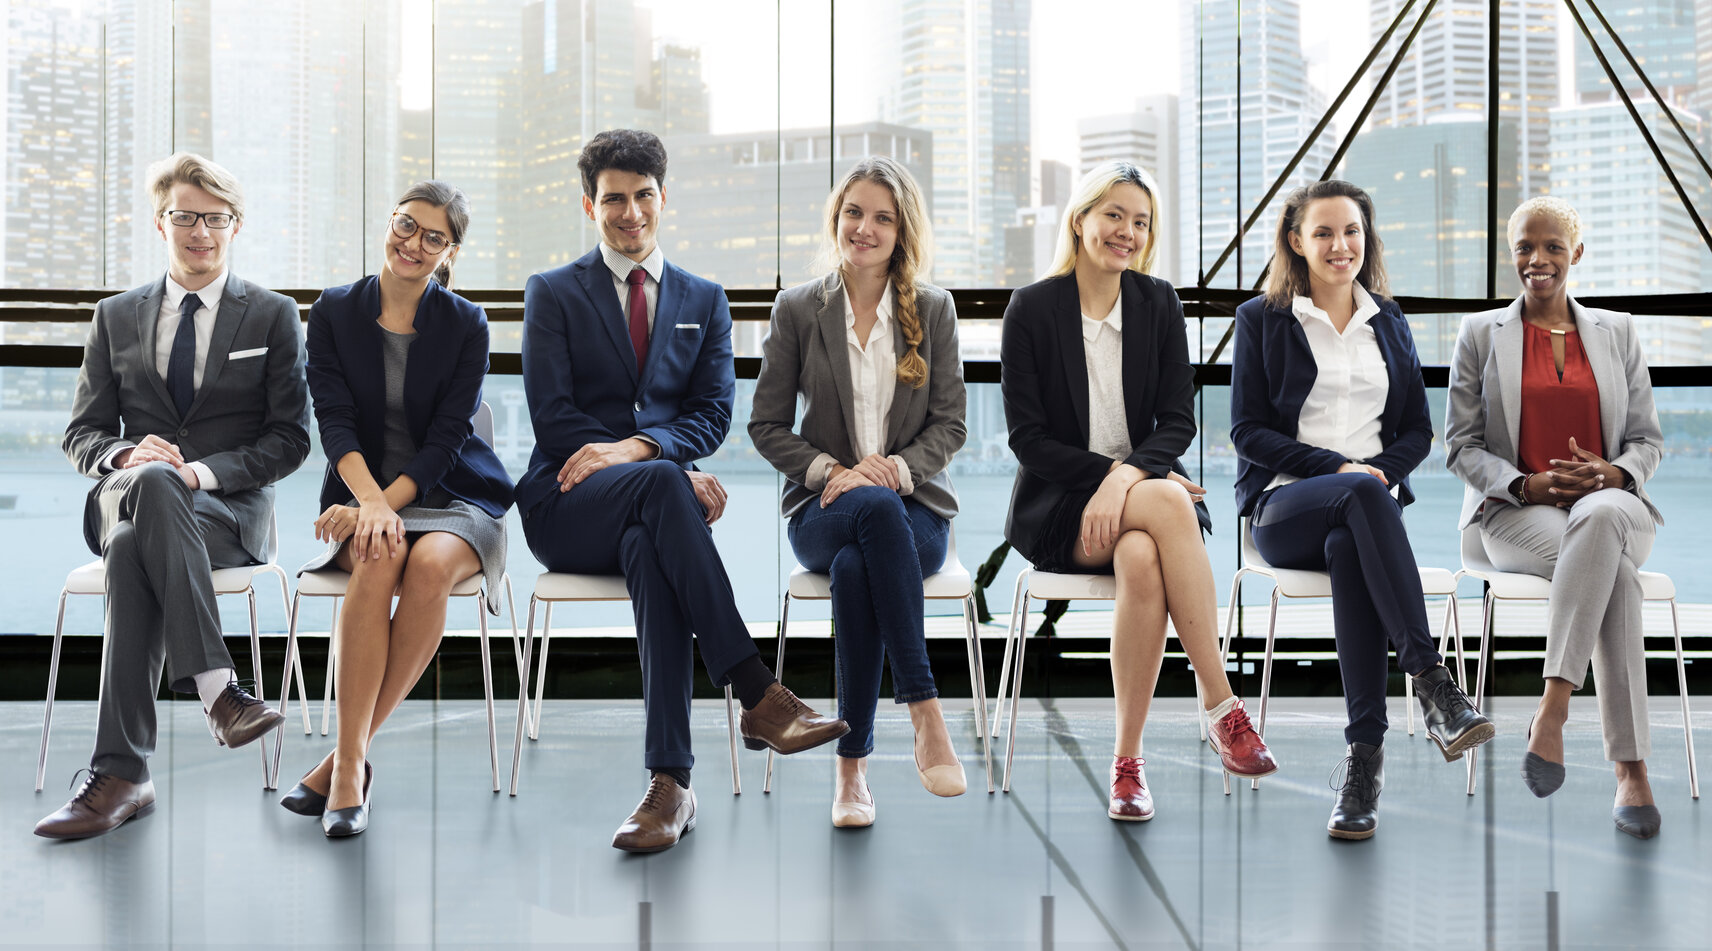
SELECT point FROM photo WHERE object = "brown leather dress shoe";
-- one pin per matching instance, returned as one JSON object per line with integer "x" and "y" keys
{"x": 667, "y": 812}
{"x": 102, "y": 805}
{"x": 786, "y": 724}
{"x": 238, "y": 718}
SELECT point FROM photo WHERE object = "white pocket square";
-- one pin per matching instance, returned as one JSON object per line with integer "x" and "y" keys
{"x": 689, "y": 326}
{"x": 241, "y": 354}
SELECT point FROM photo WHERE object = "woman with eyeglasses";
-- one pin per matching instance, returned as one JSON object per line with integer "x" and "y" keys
{"x": 414, "y": 500}
{"x": 1099, "y": 395}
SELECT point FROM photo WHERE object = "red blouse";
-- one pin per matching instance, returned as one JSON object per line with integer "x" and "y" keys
{"x": 1552, "y": 409}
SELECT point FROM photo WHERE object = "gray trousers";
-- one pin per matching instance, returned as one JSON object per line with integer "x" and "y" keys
{"x": 1592, "y": 552}
{"x": 159, "y": 541}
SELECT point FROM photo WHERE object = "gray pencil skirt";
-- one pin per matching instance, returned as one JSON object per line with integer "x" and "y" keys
{"x": 442, "y": 513}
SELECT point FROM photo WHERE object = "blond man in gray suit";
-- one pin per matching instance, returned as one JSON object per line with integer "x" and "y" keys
{"x": 191, "y": 403}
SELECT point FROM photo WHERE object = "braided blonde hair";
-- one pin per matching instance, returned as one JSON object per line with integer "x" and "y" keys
{"x": 911, "y": 256}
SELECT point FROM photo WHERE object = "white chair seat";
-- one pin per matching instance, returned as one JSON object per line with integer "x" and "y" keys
{"x": 951, "y": 582}
{"x": 554, "y": 586}
{"x": 1049, "y": 586}
{"x": 331, "y": 583}
{"x": 92, "y": 579}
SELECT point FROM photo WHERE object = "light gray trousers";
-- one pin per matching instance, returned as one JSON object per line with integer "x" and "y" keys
{"x": 1592, "y": 552}
{"x": 159, "y": 541}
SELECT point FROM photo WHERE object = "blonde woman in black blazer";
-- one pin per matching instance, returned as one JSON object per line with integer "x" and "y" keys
{"x": 873, "y": 353}
{"x": 1098, "y": 392}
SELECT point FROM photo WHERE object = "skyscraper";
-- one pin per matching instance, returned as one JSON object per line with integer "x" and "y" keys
{"x": 1146, "y": 136}
{"x": 961, "y": 74}
{"x": 1252, "y": 114}
{"x": 1660, "y": 34}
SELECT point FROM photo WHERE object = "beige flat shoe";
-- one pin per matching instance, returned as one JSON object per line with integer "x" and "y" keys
{"x": 852, "y": 815}
{"x": 946, "y": 780}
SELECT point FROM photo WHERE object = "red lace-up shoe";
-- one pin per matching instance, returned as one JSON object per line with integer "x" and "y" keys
{"x": 1239, "y": 747}
{"x": 1130, "y": 802}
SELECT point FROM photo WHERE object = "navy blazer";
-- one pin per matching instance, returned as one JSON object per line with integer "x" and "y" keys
{"x": 442, "y": 391}
{"x": 1272, "y": 370}
{"x": 1044, "y": 380}
{"x": 579, "y": 370}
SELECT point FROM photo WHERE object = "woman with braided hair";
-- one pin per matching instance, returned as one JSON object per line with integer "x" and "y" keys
{"x": 873, "y": 353}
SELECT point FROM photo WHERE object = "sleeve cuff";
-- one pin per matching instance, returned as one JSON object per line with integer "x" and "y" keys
{"x": 818, "y": 471}
{"x": 906, "y": 483}
{"x": 652, "y": 442}
{"x": 205, "y": 478}
{"x": 1628, "y": 480}
{"x": 106, "y": 465}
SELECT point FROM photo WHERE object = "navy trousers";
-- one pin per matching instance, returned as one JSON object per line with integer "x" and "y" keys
{"x": 1349, "y": 526}
{"x": 642, "y": 520}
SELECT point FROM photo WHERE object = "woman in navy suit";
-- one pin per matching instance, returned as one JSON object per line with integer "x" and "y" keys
{"x": 1099, "y": 396}
{"x": 1329, "y": 417}
{"x": 414, "y": 501}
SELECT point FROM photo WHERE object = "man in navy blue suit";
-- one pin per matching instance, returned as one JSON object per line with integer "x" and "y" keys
{"x": 627, "y": 367}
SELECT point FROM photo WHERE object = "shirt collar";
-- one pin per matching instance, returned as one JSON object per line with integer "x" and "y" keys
{"x": 208, "y": 295}
{"x": 883, "y": 312}
{"x": 1113, "y": 319}
{"x": 1365, "y": 308}
{"x": 621, "y": 266}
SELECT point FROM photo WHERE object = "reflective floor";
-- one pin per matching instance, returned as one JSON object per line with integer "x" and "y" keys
{"x": 449, "y": 864}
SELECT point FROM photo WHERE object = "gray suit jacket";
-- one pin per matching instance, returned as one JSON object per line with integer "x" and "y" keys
{"x": 1485, "y": 404}
{"x": 805, "y": 352}
{"x": 249, "y": 422}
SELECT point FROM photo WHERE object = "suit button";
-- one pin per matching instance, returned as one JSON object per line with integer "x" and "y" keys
{"x": 638, "y": 406}
{"x": 184, "y": 432}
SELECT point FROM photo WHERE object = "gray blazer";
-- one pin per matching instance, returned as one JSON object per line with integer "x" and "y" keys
{"x": 1485, "y": 403}
{"x": 805, "y": 353}
{"x": 249, "y": 422}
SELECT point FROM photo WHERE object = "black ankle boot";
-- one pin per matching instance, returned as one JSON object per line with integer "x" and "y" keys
{"x": 1451, "y": 720}
{"x": 1356, "y": 814}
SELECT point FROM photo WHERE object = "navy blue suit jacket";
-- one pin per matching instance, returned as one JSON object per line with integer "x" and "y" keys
{"x": 1272, "y": 370}
{"x": 442, "y": 390}
{"x": 579, "y": 370}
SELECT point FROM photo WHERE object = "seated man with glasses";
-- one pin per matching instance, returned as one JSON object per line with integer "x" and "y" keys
{"x": 627, "y": 367}
{"x": 191, "y": 403}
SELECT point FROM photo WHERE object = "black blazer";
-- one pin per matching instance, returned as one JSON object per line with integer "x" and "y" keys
{"x": 1044, "y": 379}
{"x": 1272, "y": 370}
{"x": 442, "y": 391}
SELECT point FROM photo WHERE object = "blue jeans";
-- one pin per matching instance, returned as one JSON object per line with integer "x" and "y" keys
{"x": 1348, "y": 525}
{"x": 877, "y": 546}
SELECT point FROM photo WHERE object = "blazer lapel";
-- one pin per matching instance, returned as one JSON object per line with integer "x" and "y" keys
{"x": 902, "y": 392}
{"x": 1139, "y": 364}
{"x": 596, "y": 279}
{"x": 1067, "y": 321}
{"x": 148, "y": 324}
{"x": 1507, "y": 358}
{"x": 1596, "y": 340}
{"x": 233, "y": 304}
{"x": 667, "y": 303}
{"x": 834, "y": 338}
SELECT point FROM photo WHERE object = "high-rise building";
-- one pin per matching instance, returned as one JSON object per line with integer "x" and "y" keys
{"x": 962, "y": 74}
{"x": 1660, "y": 34}
{"x": 1146, "y": 136}
{"x": 1253, "y": 112}
{"x": 1056, "y": 181}
{"x": 1445, "y": 73}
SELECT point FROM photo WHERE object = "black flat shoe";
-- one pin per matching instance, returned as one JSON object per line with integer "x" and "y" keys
{"x": 1542, "y": 776}
{"x": 307, "y": 802}
{"x": 1642, "y": 822}
{"x": 1356, "y": 813}
{"x": 351, "y": 820}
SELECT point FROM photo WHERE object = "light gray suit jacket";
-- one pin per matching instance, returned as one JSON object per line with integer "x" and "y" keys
{"x": 1485, "y": 403}
{"x": 249, "y": 421}
{"x": 806, "y": 353}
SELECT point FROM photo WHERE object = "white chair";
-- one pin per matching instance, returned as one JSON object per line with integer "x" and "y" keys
{"x": 91, "y": 579}
{"x": 553, "y": 587}
{"x": 950, "y": 583}
{"x": 331, "y": 583}
{"x": 1518, "y": 586}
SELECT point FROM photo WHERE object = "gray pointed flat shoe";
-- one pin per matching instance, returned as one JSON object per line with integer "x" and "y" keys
{"x": 1642, "y": 822}
{"x": 1542, "y": 776}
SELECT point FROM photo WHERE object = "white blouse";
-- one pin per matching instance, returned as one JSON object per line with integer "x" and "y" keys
{"x": 1102, "y": 347}
{"x": 873, "y": 381}
{"x": 1343, "y": 407}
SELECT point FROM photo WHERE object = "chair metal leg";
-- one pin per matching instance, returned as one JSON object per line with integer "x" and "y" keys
{"x": 1225, "y": 638}
{"x": 1266, "y": 672}
{"x": 1488, "y": 607}
{"x": 779, "y": 672}
{"x": 978, "y": 686}
{"x": 332, "y": 655}
{"x": 516, "y": 641}
{"x": 541, "y": 672}
{"x": 1687, "y": 723}
{"x": 1019, "y": 634}
{"x": 261, "y": 691}
{"x": 1005, "y": 666}
{"x": 291, "y": 661}
{"x": 731, "y": 736}
{"x": 487, "y": 689}
{"x": 523, "y": 692}
{"x": 53, "y": 683}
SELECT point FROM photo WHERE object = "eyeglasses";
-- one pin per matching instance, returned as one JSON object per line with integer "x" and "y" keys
{"x": 432, "y": 241}
{"x": 218, "y": 220}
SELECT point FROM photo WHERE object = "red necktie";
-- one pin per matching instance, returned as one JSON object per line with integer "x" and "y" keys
{"x": 638, "y": 316}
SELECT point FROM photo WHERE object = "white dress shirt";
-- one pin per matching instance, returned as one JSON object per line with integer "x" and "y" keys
{"x": 1343, "y": 407}
{"x": 621, "y": 266}
{"x": 873, "y": 381}
{"x": 166, "y": 330}
{"x": 1102, "y": 347}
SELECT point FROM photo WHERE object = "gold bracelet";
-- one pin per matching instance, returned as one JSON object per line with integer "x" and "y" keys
{"x": 1525, "y": 499}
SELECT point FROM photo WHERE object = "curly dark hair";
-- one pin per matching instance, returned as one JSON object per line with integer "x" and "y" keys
{"x": 628, "y": 150}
